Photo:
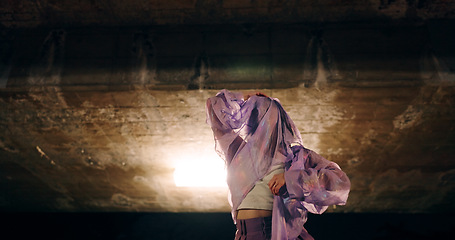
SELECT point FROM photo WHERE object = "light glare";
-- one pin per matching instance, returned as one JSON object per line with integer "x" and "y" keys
{"x": 201, "y": 173}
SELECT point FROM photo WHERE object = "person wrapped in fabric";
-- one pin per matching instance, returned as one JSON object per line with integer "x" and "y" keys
{"x": 273, "y": 180}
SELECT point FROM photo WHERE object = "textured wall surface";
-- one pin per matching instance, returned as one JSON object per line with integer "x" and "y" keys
{"x": 116, "y": 150}
{"x": 97, "y": 118}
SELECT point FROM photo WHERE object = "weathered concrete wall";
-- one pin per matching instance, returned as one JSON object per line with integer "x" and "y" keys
{"x": 97, "y": 119}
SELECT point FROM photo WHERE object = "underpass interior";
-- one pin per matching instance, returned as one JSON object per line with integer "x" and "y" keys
{"x": 103, "y": 112}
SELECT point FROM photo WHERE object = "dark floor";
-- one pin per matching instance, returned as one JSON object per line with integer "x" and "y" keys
{"x": 160, "y": 226}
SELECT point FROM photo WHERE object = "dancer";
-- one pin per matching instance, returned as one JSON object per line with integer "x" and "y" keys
{"x": 273, "y": 179}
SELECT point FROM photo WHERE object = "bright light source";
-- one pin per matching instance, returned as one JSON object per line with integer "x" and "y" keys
{"x": 200, "y": 173}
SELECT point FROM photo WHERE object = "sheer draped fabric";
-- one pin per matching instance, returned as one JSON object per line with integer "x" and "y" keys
{"x": 253, "y": 135}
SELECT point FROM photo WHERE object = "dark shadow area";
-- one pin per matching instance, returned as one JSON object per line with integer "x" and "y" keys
{"x": 218, "y": 226}
{"x": 208, "y": 56}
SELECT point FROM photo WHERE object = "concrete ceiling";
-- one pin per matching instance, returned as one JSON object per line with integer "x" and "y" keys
{"x": 67, "y": 13}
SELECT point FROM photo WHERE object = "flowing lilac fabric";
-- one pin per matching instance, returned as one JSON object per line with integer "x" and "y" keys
{"x": 253, "y": 135}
